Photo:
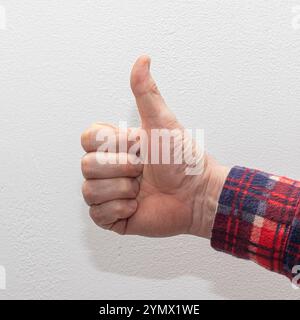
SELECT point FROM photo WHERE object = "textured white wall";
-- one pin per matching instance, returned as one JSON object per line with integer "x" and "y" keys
{"x": 230, "y": 67}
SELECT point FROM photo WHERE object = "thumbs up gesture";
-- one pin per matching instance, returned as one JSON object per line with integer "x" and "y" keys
{"x": 134, "y": 191}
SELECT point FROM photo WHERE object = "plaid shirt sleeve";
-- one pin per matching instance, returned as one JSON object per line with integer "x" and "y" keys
{"x": 258, "y": 218}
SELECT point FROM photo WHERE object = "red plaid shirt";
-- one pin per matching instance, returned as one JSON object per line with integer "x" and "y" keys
{"x": 258, "y": 218}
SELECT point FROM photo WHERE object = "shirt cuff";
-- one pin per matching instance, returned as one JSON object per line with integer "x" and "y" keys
{"x": 258, "y": 218}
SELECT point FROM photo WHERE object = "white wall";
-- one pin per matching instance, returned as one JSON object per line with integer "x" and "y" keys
{"x": 230, "y": 67}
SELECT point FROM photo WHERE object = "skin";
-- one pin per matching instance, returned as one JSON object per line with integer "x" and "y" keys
{"x": 155, "y": 200}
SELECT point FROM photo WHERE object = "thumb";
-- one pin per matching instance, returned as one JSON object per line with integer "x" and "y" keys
{"x": 152, "y": 107}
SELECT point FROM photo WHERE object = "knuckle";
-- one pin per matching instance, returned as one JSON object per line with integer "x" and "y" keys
{"x": 93, "y": 213}
{"x": 87, "y": 192}
{"x": 96, "y": 216}
{"x": 154, "y": 89}
{"x": 86, "y": 166}
{"x": 86, "y": 139}
{"x": 100, "y": 221}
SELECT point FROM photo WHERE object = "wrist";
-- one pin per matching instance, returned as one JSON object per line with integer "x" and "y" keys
{"x": 215, "y": 186}
{"x": 207, "y": 198}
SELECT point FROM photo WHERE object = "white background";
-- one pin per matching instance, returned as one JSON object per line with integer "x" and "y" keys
{"x": 230, "y": 67}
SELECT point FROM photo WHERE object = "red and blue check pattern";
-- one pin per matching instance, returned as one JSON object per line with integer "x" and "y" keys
{"x": 258, "y": 218}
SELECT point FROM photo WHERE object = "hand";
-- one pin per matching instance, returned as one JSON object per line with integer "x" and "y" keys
{"x": 150, "y": 199}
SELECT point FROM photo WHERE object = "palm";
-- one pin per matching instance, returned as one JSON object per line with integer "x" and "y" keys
{"x": 160, "y": 213}
{"x": 164, "y": 200}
